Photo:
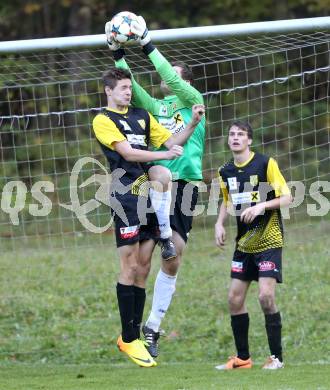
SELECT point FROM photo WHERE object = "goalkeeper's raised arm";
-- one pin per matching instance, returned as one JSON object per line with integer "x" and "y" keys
{"x": 177, "y": 78}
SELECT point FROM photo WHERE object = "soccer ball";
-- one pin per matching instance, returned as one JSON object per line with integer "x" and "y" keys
{"x": 121, "y": 27}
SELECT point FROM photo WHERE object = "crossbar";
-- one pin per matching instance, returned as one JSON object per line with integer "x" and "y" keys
{"x": 176, "y": 34}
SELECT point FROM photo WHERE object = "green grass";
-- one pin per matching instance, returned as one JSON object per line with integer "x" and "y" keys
{"x": 167, "y": 376}
{"x": 59, "y": 319}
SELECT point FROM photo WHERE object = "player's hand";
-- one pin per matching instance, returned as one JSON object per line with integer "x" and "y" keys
{"x": 174, "y": 152}
{"x": 220, "y": 235}
{"x": 113, "y": 45}
{"x": 249, "y": 214}
{"x": 198, "y": 111}
{"x": 139, "y": 28}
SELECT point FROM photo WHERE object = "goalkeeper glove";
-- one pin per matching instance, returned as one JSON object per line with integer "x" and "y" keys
{"x": 139, "y": 28}
{"x": 114, "y": 46}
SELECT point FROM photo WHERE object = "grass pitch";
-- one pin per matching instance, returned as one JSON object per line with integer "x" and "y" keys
{"x": 59, "y": 320}
{"x": 168, "y": 376}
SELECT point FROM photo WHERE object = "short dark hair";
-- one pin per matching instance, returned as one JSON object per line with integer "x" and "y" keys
{"x": 245, "y": 126}
{"x": 186, "y": 72}
{"x": 113, "y": 75}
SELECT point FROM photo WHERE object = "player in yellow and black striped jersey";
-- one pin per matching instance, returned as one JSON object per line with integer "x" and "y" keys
{"x": 253, "y": 189}
{"x": 125, "y": 134}
{"x": 247, "y": 184}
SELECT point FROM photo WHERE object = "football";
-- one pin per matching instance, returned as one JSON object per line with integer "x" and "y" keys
{"x": 121, "y": 27}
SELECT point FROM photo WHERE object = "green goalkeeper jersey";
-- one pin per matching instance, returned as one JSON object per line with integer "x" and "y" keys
{"x": 174, "y": 112}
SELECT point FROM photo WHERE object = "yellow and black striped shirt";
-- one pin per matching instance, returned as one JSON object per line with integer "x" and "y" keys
{"x": 140, "y": 129}
{"x": 257, "y": 180}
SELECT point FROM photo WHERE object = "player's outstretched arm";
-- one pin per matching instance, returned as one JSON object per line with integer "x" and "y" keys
{"x": 198, "y": 112}
{"x": 136, "y": 155}
{"x": 249, "y": 214}
{"x": 179, "y": 87}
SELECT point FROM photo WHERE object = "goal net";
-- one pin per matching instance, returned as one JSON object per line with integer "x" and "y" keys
{"x": 48, "y": 187}
{"x": 56, "y": 233}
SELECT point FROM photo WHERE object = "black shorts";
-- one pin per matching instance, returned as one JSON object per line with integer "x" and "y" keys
{"x": 252, "y": 266}
{"x": 130, "y": 227}
{"x": 184, "y": 199}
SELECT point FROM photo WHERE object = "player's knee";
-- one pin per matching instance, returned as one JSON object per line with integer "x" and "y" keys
{"x": 267, "y": 301}
{"x": 171, "y": 266}
{"x": 129, "y": 266}
{"x": 144, "y": 268}
{"x": 161, "y": 175}
{"x": 144, "y": 261}
{"x": 179, "y": 253}
{"x": 235, "y": 301}
{"x": 129, "y": 273}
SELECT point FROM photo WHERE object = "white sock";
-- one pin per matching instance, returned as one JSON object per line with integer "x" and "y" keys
{"x": 163, "y": 292}
{"x": 161, "y": 202}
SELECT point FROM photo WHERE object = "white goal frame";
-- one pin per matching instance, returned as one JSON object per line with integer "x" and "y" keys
{"x": 169, "y": 35}
{"x": 222, "y": 33}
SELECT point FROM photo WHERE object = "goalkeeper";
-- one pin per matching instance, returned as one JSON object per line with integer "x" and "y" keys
{"x": 173, "y": 112}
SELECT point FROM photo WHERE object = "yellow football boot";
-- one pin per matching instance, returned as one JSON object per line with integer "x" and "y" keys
{"x": 136, "y": 351}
